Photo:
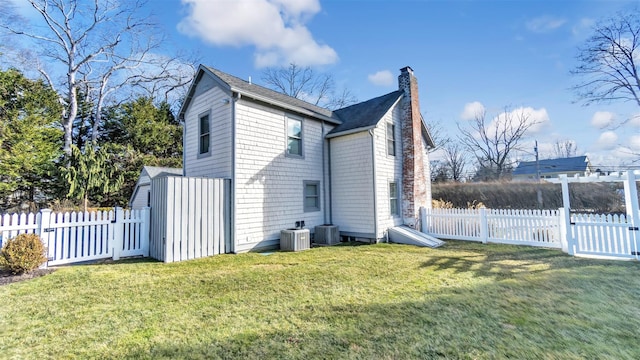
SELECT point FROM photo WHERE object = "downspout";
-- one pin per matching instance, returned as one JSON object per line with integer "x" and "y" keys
{"x": 184, "y": 137}
{"x": 330, "y": 207}
{"x": 324, "y": 177}
{"x": 234, "y": 100}
{"x": 375, "y": 197}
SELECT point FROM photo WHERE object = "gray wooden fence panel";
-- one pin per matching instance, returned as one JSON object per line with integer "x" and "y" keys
{"x": 190, "y": 218}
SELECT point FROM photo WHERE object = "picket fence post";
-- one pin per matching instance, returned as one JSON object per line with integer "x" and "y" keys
{"x": 118, "y": 231}
{"x": 43, "y": 231}
{"x": 484, "y": 226}
{"x": 423, "y": 220}
{"x": 566, "y": 239}
{"x": 145, "y": 229}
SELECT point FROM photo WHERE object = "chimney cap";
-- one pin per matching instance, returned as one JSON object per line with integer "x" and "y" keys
{"x": 406, "y": 69}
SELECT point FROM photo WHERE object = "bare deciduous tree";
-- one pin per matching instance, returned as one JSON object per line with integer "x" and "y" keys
{"x": 455, "y": 160}
{"x": 608, "y": 61}
{"x": 98, "y": 46}
{"x": 565, "y": 149}
{"x": 492, "y": 142}
{"x": 305, "y": 84}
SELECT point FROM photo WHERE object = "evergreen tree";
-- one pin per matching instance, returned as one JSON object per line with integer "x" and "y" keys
{"x": 30, "y": 140}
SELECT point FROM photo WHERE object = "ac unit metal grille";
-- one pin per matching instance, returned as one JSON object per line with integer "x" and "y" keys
{"x": 295, "y": 240}
{"x": 327, "y": 234}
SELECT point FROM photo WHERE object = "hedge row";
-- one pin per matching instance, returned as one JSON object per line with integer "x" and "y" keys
{"x": 596, "y": 197}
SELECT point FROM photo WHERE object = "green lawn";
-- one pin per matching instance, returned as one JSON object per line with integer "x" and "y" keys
{"x": 464, "y": 300}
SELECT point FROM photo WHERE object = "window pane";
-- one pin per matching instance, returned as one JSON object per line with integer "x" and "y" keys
{"x": 311, "y": 190}
{"x": 391, "y": 141}
{"x": 393, "y": 190}
{"x": 204, "y": 125}
{"x": 393, "y": 198}
{"x": 204, "y": 144}
{"x": 311, "y": 202}
{"x": 294, "y": 128}
{"x": 391, "y": 147}
{"x": 295, "y": 146}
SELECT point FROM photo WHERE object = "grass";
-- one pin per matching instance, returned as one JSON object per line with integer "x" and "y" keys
{"x": 464, "y": 300}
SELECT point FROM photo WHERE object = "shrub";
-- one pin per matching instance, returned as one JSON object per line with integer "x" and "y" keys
{"x": 23, "y": 253}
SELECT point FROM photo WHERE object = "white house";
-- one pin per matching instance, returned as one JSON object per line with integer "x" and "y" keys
{"x": 364, "y": 168}
{"x": 141, "y": 196}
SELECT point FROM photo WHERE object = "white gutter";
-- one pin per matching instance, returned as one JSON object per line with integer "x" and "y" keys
{"x": 352, "y": 131}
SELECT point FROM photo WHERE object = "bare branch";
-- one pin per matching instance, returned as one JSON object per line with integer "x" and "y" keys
{"x": 305, "y": 84}
{"x": 492, "y": 143}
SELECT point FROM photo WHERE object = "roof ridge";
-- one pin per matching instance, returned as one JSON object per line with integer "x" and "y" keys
{"x": 274, "y": 94}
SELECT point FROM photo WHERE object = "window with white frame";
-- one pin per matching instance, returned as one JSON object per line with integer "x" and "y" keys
{"x": 294, "y": 137}
{"x": 205, "y": 135}
{"x": 393, "y": 199}
{"x": 311, "y": 196}
{"x": 391, "y": 139}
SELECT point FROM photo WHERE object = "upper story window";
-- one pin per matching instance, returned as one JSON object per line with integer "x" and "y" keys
{"x": 205, "y": 135}
{"x": 391, "y": 139}
{"x": 294, "y": 137}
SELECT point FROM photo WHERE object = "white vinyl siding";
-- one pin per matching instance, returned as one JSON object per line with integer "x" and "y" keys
{"x": 140, "y": 199}
{"x": 352, "y": 183}
{"x": 270, "y": 183}
{"x": 388, "y": 170}
{"x": 209, "y": 98}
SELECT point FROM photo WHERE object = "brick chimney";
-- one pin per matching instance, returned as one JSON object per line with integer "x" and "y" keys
{"x": 415, "y": 183}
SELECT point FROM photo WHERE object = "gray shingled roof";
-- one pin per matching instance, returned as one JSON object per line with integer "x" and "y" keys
{"x": 154, "y": 171}
{"x": 249, "y": 89}
{"x": 349, "y": 119}
{"x": 365, "y": 114}
{"x": 571, "y": 164}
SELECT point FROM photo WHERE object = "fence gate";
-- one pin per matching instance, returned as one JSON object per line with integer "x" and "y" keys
{"x": 613, "y": 236}
{"x": 72, "y": 237}
{"x": 190, "y": 218}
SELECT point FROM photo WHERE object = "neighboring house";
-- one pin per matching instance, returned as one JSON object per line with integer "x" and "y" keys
{"x": 551, "y": 168}
{"x": 364, "y": 168}
{"x": 141, "y": 196}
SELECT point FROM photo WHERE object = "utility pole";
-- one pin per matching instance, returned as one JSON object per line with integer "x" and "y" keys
{"x": 538, "y": 190}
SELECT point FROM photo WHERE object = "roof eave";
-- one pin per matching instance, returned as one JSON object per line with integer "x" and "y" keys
{"x": 350, "y": 131}
{"x": 283, "y": 105}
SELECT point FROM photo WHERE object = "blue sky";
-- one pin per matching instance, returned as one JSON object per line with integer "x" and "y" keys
{"x": 467, "y": 55}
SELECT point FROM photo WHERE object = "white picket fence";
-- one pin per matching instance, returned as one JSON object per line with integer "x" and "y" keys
{"x": 604, "y": 236}
{"x": 72, "y": 237}
{"x": 519, "y": 227}
{"x": 587, "y": 235}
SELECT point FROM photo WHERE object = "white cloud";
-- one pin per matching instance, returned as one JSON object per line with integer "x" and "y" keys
{"x": 583, "y": 26}
{"x": 471, "y": 110}
{"x": 537, "y": 119}
{"x": 635, "y": 120}
{"x": 607, "y": 140}
{"x": 602, "y": 119}
{"x": 545, "y": 24}
{"x": 381, "y": 78}
{"x": 634, "y": 143}
{"x": 275, "y": 27}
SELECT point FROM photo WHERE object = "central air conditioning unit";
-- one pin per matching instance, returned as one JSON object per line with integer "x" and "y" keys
{"x": 327, "y": 234}
{"x": 295, "y": 239}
